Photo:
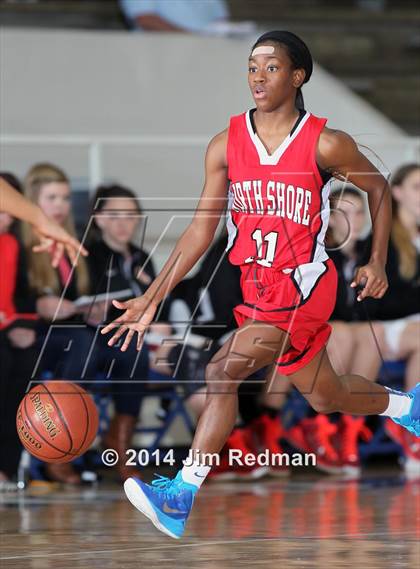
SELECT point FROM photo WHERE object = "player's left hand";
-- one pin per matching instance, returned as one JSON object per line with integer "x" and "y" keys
{"x": 372, "y": 278}
{"x": 138, "y": 315}
{"x": 55, "y": 240}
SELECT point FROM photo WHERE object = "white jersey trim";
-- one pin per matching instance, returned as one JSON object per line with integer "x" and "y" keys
{"x": 306, "y": 277}
{"x": 320, "y": 254}
{"x": 230, "y": 225}
{"x": 267, "y": 159}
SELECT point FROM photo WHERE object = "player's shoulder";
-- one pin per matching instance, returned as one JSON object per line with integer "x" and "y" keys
{"x": 217, "y": 148}
{"x": 332, "y": 138}
{"x": 334, "y": 141}
{"x": 219, "y": 138}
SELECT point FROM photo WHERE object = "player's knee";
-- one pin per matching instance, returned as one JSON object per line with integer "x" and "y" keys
{"x": 218, "y": 380}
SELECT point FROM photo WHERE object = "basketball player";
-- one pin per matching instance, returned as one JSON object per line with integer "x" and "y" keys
{"x": 53, "y": 238}
{"x": 278, "y": 160}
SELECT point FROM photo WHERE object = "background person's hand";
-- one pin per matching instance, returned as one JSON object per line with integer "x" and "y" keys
{"x": 138, "y": 315}
{"x": 46, "y": 307}
{"x": 55, "y": 240}
{"x": 96, "y": 313}
{"x": 372, "y": 278}
{"x": 21, "y": 337}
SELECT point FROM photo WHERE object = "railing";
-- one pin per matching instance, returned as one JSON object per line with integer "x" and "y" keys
{"x": 95, "y": 145}
{"x": 404, "y": 149}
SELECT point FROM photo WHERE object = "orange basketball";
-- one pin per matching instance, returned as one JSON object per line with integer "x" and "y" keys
{"x": 57, "y": 421}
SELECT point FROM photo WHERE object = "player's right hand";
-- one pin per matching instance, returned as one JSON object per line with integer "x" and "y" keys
{"x": 138, "y": 315}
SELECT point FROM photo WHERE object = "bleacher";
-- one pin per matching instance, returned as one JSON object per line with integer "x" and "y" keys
{"x": 371, "y": 45}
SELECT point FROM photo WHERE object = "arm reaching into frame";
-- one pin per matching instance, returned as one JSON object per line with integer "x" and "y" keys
{"x": 338, "y": 153}
{"x": 53, "y": 238}
{"x": 190, "y": 247}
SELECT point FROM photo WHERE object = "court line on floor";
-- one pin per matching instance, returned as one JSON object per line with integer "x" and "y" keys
{"x": 203, "y": 544}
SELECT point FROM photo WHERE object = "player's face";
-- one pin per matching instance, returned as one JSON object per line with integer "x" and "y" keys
{"x": 348, "y": 218}
{"x": 272, "y": 79}
{"x": 408, "y": 194}
{"x": 6, "y": 221}
{"x": 118, "y": 220}
{"x": 54, "y": 200}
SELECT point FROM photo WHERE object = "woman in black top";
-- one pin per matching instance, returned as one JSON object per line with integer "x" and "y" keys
{"x": 397, "y": 314}
{"x": 359, "y": 346}
{"x": 123, "y": 270}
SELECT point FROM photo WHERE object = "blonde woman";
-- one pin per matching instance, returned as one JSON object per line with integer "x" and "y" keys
{"x": 73, "y": 350}
{"x": 397, "y": 326}
{"x": 55, "y": 289}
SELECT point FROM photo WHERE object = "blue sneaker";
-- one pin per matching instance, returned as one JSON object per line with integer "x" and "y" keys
{"x": 411, "y": 421}
{"x": 166, "y": 502}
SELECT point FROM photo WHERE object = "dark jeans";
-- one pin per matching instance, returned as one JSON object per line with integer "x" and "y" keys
{"x": 16, "y": 366}
{"x": 80, "y": 353}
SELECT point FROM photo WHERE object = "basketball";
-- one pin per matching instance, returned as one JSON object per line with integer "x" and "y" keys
{"x": 57, "y": 421}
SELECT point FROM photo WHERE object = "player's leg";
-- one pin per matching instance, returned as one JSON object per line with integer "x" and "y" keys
{"x": 327, "y": 392}
{"x": 253, "y": 346}
{"x": 167, "y": 503}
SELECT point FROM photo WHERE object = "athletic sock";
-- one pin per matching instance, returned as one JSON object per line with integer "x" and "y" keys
{"x": 195, "y": 473}
{"x": 399, "y": 404}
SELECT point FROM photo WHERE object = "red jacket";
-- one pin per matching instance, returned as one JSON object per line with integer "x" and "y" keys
{"x": 9, "y": 259}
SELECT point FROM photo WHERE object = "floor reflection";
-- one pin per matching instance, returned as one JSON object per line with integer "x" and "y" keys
{"x": 372, "y": 522}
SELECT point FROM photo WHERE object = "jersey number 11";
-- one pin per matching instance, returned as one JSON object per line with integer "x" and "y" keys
{"x": 271, "y": 239}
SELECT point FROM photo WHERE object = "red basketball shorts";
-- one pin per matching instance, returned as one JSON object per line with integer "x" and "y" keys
{"x": 298, "y": 300}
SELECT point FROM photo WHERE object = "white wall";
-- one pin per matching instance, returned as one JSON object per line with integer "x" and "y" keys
{"x": 180, "y": 89}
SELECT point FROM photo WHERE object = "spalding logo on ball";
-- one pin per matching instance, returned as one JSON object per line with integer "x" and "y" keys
{"x": 57, "y": 421}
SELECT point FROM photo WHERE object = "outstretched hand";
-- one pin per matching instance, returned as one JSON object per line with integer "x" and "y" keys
{"x": 55, "y": 240}
{"x": 138, "y": 315}
{"x": 372, "y": 278}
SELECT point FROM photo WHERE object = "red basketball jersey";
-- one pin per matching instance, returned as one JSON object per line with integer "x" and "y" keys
{"x": 278, "y": 206}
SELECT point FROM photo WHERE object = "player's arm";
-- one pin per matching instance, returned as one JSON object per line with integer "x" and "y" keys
{"x": 53, "y": 238}
{"x": 189, "y": 248}
{"x": 338, "y": 153}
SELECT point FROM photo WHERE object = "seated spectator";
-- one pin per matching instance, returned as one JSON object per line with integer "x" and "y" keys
{"x": 17, "y": 339}
{"x": 173, "y": 15}
{"x": 357, "y": 346}
{"x": 116, "y": 264}
{"x": 70, "y": 347}
{"x": 395, "y": 333}
{"x": 334, "y": 438}
{"x": 209, "y": 17}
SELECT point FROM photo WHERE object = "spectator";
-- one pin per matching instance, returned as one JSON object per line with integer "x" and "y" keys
{"x": 357, "y": 346}
{"x": 69, "y": 347}
{"x": 116, "y": 264}
{"x": 397, "y": 326}
{"x": 334, "y": 439}
{"x": 54, "y": 291}
{"x": 174, "y": 15}
{"x": 17, "y": 339}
